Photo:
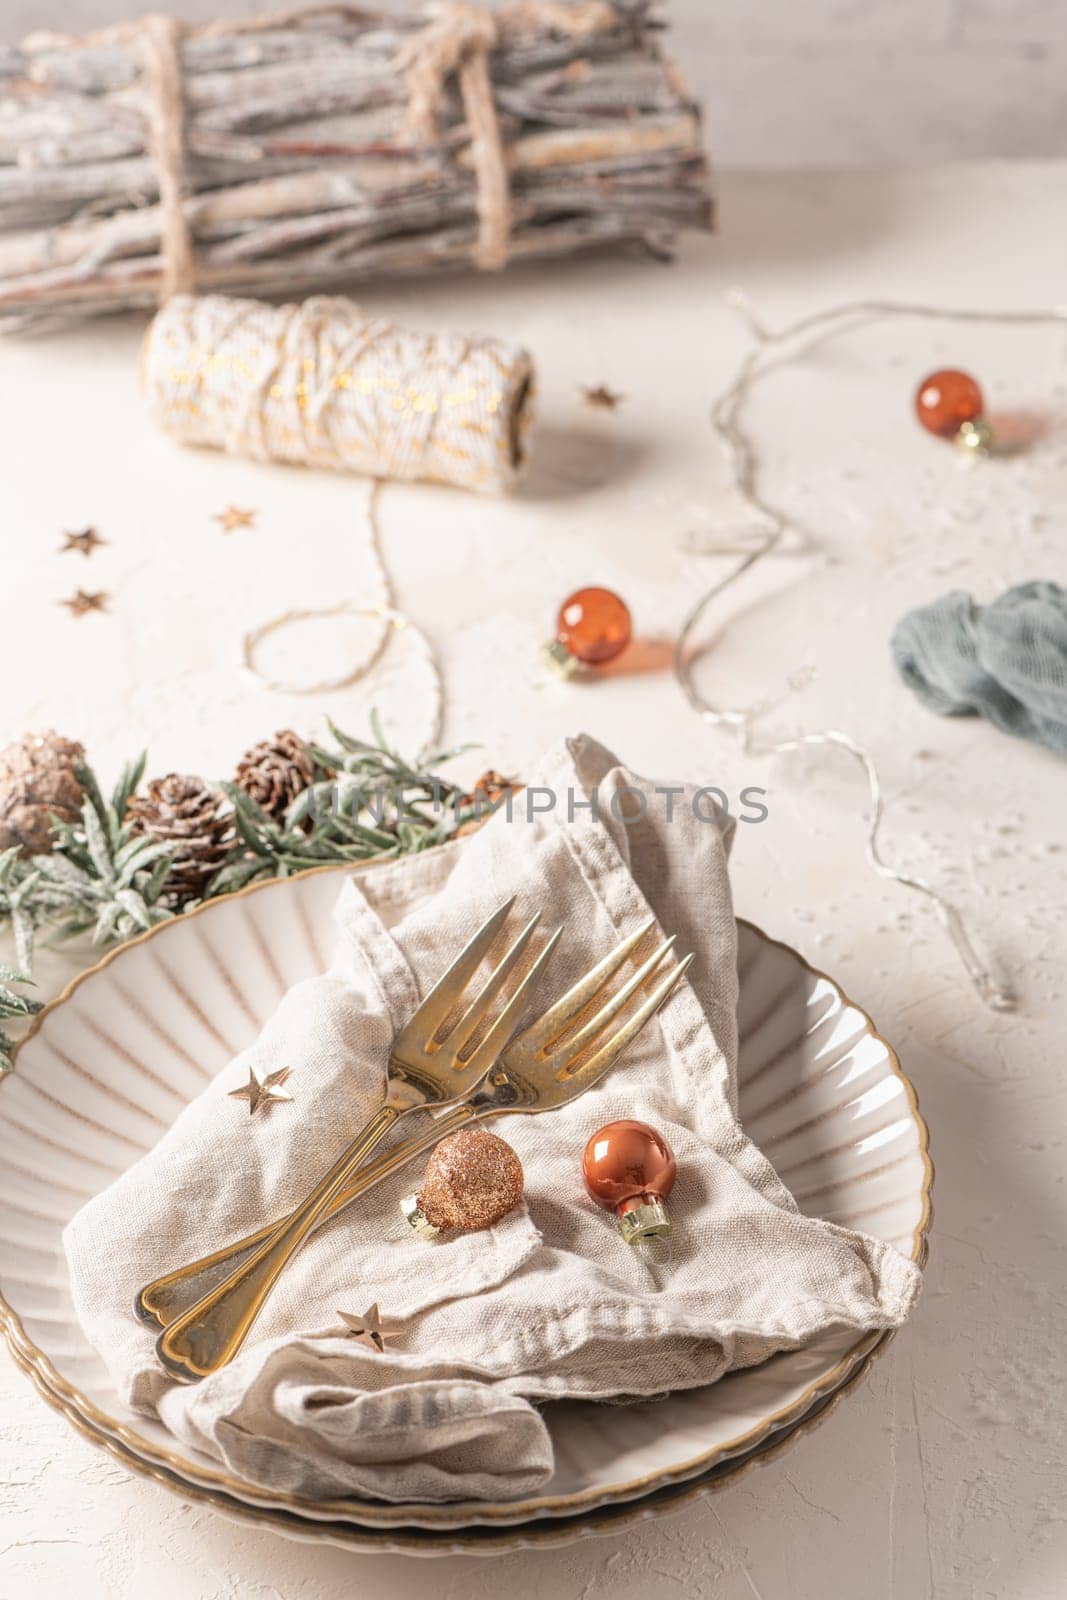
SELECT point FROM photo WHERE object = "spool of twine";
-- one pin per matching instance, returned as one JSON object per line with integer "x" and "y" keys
{"x": 324, "y": 384}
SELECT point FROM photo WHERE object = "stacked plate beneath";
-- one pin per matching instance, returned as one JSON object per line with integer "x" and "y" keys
{"x": 112, "y": 1062}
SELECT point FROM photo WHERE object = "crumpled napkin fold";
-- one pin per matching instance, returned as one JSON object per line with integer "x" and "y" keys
{"x": 549, "y": 1304}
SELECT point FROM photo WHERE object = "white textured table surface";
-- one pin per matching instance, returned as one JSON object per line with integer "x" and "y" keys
{"x": 943, "y": 1475}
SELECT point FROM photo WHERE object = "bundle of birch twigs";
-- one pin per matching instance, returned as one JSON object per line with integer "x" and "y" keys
{"x": 299, "y": 164}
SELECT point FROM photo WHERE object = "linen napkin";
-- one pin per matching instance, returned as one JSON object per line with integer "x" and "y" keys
{"x": 551, "y": 1303}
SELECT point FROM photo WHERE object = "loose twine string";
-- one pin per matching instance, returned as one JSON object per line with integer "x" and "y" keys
{"x": 378, "y": 607}
{"x": 774, "y": 523}
{"x": 456, "y": 43}
{"x": 322, "y": 384}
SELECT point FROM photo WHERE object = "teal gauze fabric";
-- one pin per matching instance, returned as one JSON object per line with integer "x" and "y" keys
{"x": 1006, "y": 661}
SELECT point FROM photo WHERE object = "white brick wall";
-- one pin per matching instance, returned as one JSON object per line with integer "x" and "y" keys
{"x": 817, "y": 83}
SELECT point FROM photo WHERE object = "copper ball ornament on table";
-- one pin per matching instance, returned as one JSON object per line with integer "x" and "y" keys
{"x": 949, "y": 404}
{"x": 472, "y": 1180}
{"x": 630, "y": 1169}
{"x": 592, "y": 628}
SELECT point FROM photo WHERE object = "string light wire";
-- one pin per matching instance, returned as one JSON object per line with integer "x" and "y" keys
{"x": 769, "y": 348}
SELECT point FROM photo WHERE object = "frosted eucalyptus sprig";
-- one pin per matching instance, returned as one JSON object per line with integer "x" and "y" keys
{"x": 13, "y": 1004}
{"x": 20, "y": 904}
{"x": 411, "y": 801}
{"x": 365, "y": 801}
{"x": 115, "y": 871}
{"x": 102, "y": 877}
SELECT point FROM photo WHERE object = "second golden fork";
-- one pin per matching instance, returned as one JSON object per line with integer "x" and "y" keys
{"x": 557, "y": 1058}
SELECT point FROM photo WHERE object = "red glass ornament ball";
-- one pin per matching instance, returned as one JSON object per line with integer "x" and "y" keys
{"x": 627, "y": 1164}
{"x": 945, "y": 400}
{"x": 594, "y": 625}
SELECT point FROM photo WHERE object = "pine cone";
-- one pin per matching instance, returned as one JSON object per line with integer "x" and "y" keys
{"x": 37, "y": 782}
{"x": 189, "y": 816}
{"x": 275, "y": 771}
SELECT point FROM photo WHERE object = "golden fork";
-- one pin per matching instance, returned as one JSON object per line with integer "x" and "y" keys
{"x": 427, "y": 1067}
{"x": 553, "y": 1061}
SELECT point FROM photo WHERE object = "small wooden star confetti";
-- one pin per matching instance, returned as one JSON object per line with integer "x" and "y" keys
{"x": 234, "y": 517}
{"x": 368, "y": 1329}
{"x": 262, "y": 1091}
{"x": 601, "y": 398}
{"x": 86, "y": 542}
{"x": 81, "y": 603}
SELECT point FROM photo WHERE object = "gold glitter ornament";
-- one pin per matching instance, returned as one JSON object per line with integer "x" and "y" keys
{"x": 472, "y": 1179}
{"x": 327, "y": 385}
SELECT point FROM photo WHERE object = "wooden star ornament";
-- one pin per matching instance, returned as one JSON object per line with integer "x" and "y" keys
{"x": 235, "y": 517}
{"x": 262, "y": 1091}
{"x": 85, "y": 542}
{"x": 367, "y": 1329}
{"x": 81, "y": 603}
{"x": 601, "y": 398}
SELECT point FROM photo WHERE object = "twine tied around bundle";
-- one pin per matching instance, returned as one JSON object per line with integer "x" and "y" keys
{"x": 158, "y": 39}
{"x": 456, "y": 43}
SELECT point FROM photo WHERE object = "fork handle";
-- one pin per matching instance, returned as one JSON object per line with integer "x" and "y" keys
{"x": 166, "y": 1298}
{"x": 212, "y": 1331}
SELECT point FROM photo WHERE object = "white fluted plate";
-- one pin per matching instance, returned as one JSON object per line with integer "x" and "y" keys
{"x": 110, "y": 1064}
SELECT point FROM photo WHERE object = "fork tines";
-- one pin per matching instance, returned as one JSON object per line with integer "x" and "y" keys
{"x": 573, "y": 1033}
{"x": 440, "y": 1020}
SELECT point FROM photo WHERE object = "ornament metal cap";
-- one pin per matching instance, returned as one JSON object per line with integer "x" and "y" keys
{"x": 975, "y": 438}
{"x": 649, "y": 1220}
{"x": 417, "y": 1217}
{"x": 559, "y": 659}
